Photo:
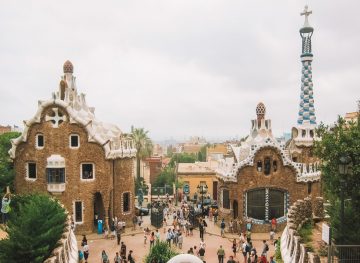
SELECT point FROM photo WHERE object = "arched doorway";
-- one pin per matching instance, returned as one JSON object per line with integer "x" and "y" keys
{"x": 235, "y": 209}
{"x": 99, "y": 210}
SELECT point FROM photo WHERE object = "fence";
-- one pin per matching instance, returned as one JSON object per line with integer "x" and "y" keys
{"x": 344, "y": 254}
{"x": 162, "y": 190}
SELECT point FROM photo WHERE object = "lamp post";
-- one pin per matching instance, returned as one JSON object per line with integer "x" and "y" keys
{"x": 202, "y": 189}
{"x": 345, "y": 168}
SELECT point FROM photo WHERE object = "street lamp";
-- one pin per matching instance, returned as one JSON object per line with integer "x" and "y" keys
{"x": 345, "y": 168}
{"x": 202, "y": 189}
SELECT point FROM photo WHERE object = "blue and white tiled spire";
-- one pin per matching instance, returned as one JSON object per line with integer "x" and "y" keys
{"x": 307, "y": 111}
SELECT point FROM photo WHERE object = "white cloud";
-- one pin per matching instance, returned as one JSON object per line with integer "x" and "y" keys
{"x": 179, "y": 68}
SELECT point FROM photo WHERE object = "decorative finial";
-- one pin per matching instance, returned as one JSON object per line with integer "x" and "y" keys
{"x": 306, "y": 13}
{"x": 260, "y": 111}
{"x": 68, "y": 67}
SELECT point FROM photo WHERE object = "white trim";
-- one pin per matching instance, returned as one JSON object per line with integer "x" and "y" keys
{"x": 74, "y": 147}
{"x": 27, "y": 178}
{"x": 36, "y": 141}
{"x": 82, "y": 212}
{"x": 81, "y": 172}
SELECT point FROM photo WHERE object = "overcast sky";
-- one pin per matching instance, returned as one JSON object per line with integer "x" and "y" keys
{"x": 180, "y": 68}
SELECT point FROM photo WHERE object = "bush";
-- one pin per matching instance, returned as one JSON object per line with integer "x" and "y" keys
{"x": 35, "y": 225}
{"x": 160, "y": 253}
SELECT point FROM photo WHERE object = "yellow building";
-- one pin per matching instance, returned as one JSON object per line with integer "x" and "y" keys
{"x": 216, "y": 151}
{"x": 199, "y": 173}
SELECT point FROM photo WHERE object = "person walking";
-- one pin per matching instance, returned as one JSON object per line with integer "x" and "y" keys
{"x": 245, "y": 249}
{"x": 221, "y": 254}
{"x": 86, "y": 250}
{"x": 130, "y": 257}
{"x": 265, "y": 249}
{"x": 81, "y": 256}
{"x": 191, "y": 251}
{"x": 118, "y": 233}
{"x": 201, "y": 229}
{"x": 104, "y": 257}
{"x": 169, "y": 237}
{"x": 222, "y": 228}
{"x": 180, "y": 240}
{"x": 157, "y": 236}
{"x": 201, "y": 254}
{"x": 117, "y": 258}
{"x": 152, "y": 239}
{"x": 273, "y": 224}
{"x": 123, "y": 251}
{"x": 134, "y": 221}
{"x": 234, "y": 247}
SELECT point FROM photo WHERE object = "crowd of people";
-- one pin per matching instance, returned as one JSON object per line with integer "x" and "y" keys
{"x": 177, "y": 225}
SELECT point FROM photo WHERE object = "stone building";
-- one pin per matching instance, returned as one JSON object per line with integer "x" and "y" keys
{"x": 66, "y": 152}
{"x": 264, "y": 176}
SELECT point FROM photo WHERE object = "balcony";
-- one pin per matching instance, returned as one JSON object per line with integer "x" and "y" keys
{"x": 56, "y": 187}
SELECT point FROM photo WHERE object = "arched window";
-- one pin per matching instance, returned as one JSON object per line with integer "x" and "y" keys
{"x": 275, "y": 166}
{"x": 267, "y": 166}
{"x": 265, "y": 204}
{"x": 259, "y": 166}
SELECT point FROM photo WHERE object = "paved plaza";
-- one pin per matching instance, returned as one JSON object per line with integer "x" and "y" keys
{"x": 134, "y": 240}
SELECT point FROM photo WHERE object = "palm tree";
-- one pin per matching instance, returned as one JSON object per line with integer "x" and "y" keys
{"x": 143, "y": 146}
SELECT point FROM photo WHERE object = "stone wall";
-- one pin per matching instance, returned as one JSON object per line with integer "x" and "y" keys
{"x": 292, "y": 251}
{"x": 67, "y": 249}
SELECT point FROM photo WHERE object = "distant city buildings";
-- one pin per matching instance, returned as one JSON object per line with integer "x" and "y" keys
{"x": 8, "y": 128}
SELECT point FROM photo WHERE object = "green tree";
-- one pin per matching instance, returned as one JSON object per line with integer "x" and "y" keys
{"x": 336, "y": 141}
{"x": 35, "y": 225}
{"x": 167, "y": 176}
{"x": 143, "y": 146}
{"x": 160, "y": 253}
{"x": 7, "y": 173}
{"x": 182, "y": 158}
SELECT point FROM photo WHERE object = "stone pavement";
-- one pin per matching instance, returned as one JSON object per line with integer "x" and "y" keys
{"x": 134, "y": 240}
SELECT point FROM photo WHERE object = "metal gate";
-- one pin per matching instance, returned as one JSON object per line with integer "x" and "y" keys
{"x": 344, "y": 254}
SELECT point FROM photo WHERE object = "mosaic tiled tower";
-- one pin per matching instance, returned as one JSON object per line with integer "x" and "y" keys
{"x": 306, "y": 120}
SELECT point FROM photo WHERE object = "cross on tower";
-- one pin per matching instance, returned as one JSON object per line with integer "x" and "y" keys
{"x": 56, "y": 119}
{"x": 306, "y": 13}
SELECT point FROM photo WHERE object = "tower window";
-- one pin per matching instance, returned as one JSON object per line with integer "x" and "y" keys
{"x": 303, "y": 133}
{"x": 275, "y": 166}
{"x": 311, "y": 133}
{"x": 78, "y": 212}
{"x": 126, "y": 202}
{"x": 31, "y": 170}
{"x": 87, "y": 171}
{"x": 309, "y": 187}
{"x": 259, "y": 166}
{"x": 267, "y": 166}
{"x": 40, "y": 141}
{"x": 74, "y": 141}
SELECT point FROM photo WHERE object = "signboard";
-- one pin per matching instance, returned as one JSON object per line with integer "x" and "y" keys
{"x": 186, "y": 189}
{"x": 325, "y": 236}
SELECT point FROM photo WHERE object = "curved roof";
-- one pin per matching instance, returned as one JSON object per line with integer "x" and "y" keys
{"x": 109, "y": 136}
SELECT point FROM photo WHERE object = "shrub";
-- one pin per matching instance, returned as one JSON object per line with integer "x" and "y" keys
{"x": 35, "y": 225}
{"x": 160, "y": 253}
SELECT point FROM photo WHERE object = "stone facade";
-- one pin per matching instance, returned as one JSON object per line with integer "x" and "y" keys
{"x": 58, "y": 167}
{"x": 249, "y": 178}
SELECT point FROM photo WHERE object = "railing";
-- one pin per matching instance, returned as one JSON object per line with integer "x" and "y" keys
{"x": 344, "y": 253}
{"x": 56, "y": 188}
